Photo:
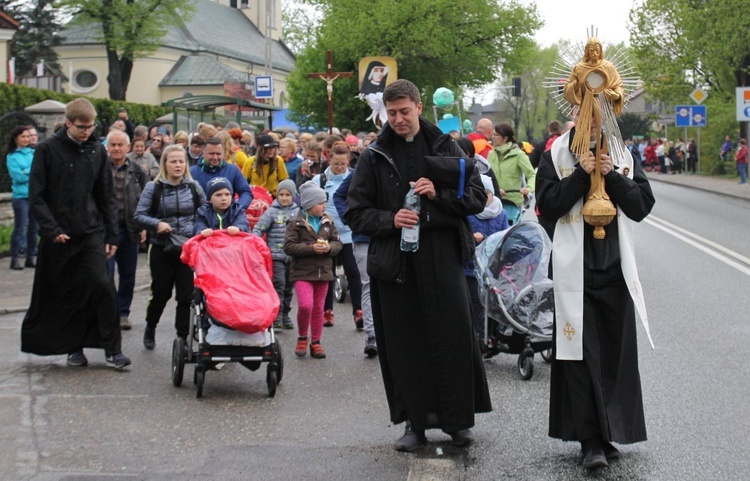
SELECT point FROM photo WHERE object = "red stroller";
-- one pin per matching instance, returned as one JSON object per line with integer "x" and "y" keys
{"x": 233, "y": 308}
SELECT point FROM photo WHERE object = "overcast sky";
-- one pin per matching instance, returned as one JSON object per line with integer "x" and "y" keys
{"x": 569, "y": 19}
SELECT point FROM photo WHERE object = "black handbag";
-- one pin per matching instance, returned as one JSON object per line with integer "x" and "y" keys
{"x": 173, "y": 243}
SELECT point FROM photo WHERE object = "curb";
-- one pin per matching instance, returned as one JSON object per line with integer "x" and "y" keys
{"x": 703, "y": 189}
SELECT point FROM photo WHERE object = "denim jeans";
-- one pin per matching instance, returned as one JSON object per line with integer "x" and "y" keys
{"x": 126, "y": 258}
{"x": 743, "y": 173}
{"x": 25, "y": 229}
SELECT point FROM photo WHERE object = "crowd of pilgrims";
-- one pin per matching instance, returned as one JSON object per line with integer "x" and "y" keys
{"x": 199, "y": 182}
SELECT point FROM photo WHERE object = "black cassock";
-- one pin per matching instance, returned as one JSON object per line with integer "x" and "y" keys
{"x": 73, "y": 301}
{"x": 429, "y": 357}
{"x": 600, "y": 395}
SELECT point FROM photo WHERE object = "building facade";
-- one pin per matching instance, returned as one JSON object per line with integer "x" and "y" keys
{"x": 224, "y": 41}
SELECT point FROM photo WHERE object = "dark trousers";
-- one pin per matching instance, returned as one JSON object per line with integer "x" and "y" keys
{"x": 167, "y": 271}
{"x": 662, "y": 165}
{"x": 25, "y": 229}
{"x": 283, "y": 287}
{"x": 691, "y": 161}
{"x": 126, "y": 258}
{"x": 346, "y": 257}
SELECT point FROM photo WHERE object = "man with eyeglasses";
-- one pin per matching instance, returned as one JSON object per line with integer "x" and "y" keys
{"x": 74, "y": 301}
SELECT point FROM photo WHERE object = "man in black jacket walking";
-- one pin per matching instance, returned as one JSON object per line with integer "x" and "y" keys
{"x": 430, "y": 361}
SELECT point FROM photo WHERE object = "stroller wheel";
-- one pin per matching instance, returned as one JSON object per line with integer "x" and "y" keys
{"x": 526, "y": 364}
{"x": 279, "y": 361}
{"x": 178, "y": 361}
{"x": 200, "y": 378}
{"x": 272, "y": 378}
{"x": 547, "y": 355}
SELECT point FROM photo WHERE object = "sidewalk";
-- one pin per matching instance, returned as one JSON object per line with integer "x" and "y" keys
{"x": 717, "y": 185}
{"x": 15, "y": 286}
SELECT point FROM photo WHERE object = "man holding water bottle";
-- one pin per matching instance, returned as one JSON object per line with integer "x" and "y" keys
{"x": 430, "y": 361}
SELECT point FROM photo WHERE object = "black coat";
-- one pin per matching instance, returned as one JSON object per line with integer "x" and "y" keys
{"x": 430, "y": 362}
{"x": 73, "y": 301}
{"x": 600, "y": 395}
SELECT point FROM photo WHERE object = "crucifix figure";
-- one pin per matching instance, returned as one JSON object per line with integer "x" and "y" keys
{"x": 329, "y": 76}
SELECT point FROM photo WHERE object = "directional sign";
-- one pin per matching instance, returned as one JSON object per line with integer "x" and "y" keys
{"x": 263, "y": 87}
{"x": 690, "y": 116}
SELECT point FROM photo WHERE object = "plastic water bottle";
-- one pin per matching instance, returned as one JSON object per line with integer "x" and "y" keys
{"x": 410, "y": 235}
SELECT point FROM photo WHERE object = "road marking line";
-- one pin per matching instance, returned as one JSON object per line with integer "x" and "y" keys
{"x": 685, "y": 238}
{"x": 713, "y": 244}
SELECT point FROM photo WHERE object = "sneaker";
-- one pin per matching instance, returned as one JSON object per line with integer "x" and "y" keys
{"x": 125, "y": 324}
{"x": 410, "y": 441}
{"x": 277, "y": 325}
{"x": 358, "y": 320}
{"x": 287, "y": 323}
{"x": 149, "y": 338}
{"x": 118, "y": 361}
{"x": 77, "y": 359}
{"x": 611, "y": 452}
{"x": 301, "y": 349}
{"x": 30, "y": 262}
{"x": 371, "y": 347}
{"x": 316, "y": 350}
{"x": 328, "y": 318}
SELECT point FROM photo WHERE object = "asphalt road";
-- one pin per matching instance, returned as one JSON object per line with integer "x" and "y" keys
{"x": 329, "y": 418}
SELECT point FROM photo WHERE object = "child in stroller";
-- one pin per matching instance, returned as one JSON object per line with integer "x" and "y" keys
{"x": 517, "y": 294}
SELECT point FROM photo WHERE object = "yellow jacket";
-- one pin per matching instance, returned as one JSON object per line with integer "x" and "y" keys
{"x": 238, "y": 158}
{"x": 269, "y": 182}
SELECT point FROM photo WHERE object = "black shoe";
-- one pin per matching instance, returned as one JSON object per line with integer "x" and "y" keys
{"x": 371, "y": 347}
{"x": 593, "y": 454}
{"x": 411, "y": 440}
{"x": 118, "y": 361}
{"x": 125, "y": 324}
{"x": 277, "y": 325}
{"x": 149, "y": 341}
{"x": 461, "y": 438}
{"x": 287, "y": 323}
{"x": 611, "y": 452}
{"x": 31, "y": 262}
{"x": 16, "y": 264}
{"x": 77, "y": 359}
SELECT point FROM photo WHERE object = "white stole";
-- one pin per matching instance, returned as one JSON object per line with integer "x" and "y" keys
{"x": 567, "y": 260}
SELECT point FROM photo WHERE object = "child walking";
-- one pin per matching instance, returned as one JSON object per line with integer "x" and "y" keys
{"x": 221, "y": 211}
{"x": 311, "y": 240}
{"x": 273, "y": 222}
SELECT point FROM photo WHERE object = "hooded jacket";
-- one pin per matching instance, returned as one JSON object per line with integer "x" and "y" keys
{"x": 299, "y": 239}
{"x": 273, "y": 222}
{"x": 207, "y": 218}
{"x": 176, "y": 207}
{"x": 203, "y": 172}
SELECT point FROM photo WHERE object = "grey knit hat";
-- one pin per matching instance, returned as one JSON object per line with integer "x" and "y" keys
{"x": 288, "y": 185}
{"x": 311, "y": 195}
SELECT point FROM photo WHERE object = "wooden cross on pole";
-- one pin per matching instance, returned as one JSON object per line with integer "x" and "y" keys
{"x": 329, "y": 76}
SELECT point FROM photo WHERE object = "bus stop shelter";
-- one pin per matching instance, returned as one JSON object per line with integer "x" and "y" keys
{"x": 189, "y": 111}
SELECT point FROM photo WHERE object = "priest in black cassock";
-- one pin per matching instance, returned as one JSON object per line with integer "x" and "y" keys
{"x": 595, "y": 387}
{"x": 74, "y": 301}
{"x": 429, "y": 357}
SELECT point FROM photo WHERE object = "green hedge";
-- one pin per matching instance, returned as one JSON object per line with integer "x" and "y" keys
{"x": 18, "y": 97}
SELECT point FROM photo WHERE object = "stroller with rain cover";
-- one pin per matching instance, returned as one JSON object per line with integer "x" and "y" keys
{"x": 517, "y": 294}
{"x": 233, "y": 308}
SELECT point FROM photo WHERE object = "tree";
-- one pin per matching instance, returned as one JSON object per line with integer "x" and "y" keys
{"x": 130, "y": 29}
{"x": 39, "y": 32}
{"x": 441, "y": 43}
{"x": 674, "y": 53}
{"x": 632, "y": 124}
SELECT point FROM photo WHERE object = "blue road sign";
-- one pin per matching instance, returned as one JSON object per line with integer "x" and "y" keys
{"x": 263, "y": 87}
{"x": 690, "y": 116}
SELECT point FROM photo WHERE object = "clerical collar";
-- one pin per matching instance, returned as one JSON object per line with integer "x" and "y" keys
{"x": 409, "y": 139}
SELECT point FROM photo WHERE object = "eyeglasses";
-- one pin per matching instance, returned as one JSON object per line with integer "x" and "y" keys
{"x": 85, "y": 128}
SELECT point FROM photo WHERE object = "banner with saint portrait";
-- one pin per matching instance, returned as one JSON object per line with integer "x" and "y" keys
{"x": 375, "y": 73}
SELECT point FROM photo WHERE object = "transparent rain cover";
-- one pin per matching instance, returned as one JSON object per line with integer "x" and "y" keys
{"x": 512, "y": 267}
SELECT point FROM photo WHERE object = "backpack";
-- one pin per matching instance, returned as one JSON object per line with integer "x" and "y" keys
{"x": 156, "y": 197}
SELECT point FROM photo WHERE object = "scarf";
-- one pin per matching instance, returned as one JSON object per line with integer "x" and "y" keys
{"x": 567, "y": 261}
